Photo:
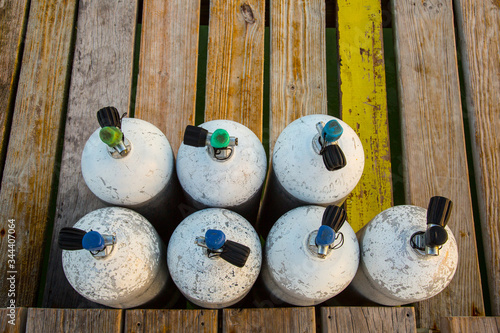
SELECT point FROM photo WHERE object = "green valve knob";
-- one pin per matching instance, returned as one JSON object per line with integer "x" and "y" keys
{"x": 220, "y": 139}
{"x": 111, "y": 136}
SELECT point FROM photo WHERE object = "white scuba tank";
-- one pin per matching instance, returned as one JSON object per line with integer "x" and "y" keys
{"x": 317, "y": 160}
{"x": 214, "y": 257}
{"x": 113, "y": 256}
{"x": 222, "y": 164}
{"x": 408, "y": 254}
{"x": 311, "y": 255}
{"x": 130, "y": 163}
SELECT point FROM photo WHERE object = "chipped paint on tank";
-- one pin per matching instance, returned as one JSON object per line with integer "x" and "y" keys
{"x": 295, "y": 275}
{"x": 136, "y": 270}
{"x": 391, "y": 271}
{"x": 212, "y": 282}
{"x": 135, "y": 178}
{"x": 301, "y": 171}
{"x": 223, "y": 184}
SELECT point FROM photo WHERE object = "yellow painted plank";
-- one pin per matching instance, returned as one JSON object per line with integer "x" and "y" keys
{"x": 364, "y": 105}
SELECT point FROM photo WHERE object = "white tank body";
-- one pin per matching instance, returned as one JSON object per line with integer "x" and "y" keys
{"x": 135, "y": 271}
{"x": 235, "y": 183}
{"x": 143, "y": 180}
{"x": 213, "y": 282}
{"x": 299, "y": 175}
{"x": 293, "y": 271}
{"x": 391, "y": 271}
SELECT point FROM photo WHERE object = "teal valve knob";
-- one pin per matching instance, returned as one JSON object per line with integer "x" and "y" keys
{"x": 220, "y": 139}
{"x": 332, "y": 131}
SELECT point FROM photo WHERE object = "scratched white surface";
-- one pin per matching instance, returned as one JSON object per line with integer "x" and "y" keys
{"x": 135, "y": 178}
{"x": 134, "y": 273}
{"x": 223, "y": 184}
{"x": 302, "y": 172}
{"x": 391, "y": 272}
{"x": 213, "y": 282}
{"x": 299, "y": 277}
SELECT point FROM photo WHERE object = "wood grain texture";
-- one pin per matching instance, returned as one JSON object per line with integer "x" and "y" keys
{"x": 13, "y": 18}
{"x": 170, "y": 321}
{"x": 30, "y": 165}
{"x": 470, "y": 324}
{"x": 73, "y": 320}
{"x": 298, "y": 63}
{"x": 269, "y": 320}
{"x": 368, "y": 319}
{"x": 434, "y": 157}
{"x": 13, "y": 322}
{"x": 101, "y": 76}
{"x": 166, "y": 88}
{"x": 235, "y": 66}
{"x": 363, "y": 104}
{"x": 479, "y": 33}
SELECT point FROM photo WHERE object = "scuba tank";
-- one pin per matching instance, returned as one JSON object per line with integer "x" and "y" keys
{"x": 311, "y": 255}
{"x": 222, "y": 164}
{"x": 214, "y": 257}
{"x": 113, "y": 256}
{"x": 408, "y": 254}
{"x": 317, "y": 160}
{"x": 129, "y": 162}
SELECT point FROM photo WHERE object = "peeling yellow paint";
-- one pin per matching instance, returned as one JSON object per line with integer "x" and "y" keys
{"x": 363, "y": 97}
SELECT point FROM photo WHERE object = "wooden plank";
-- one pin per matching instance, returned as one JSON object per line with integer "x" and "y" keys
{"x": 171, "y": 321}
{"x": 435, "y": 161}
{"x": 368, "y": 319}
{"x": 298, "y": 63}
{"x": 13, "y": 320}
{"x": 13, "y": 18}
{"x": 235, "y": 66}
{"x": 470, "y": 324}
{"x": 166, "y": 88}
{"x": 363, "y": 104}
{"x": 30, "y": 165}
{"x": 479, "y": 32}
{"x": 74, "y": 320}
{"x": 101, "y": 76}
{"x": 269, "y": 320}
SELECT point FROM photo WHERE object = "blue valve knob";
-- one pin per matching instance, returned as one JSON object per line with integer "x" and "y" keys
{"x": 214, "y": 239}
{"x": 332, "y": 131}
{"x": 325, "y": 236}
{"x": 93, "y": 241}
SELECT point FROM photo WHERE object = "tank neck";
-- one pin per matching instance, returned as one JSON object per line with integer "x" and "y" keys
{"x": 325, "y": 143}
{"x": 99, "y": 245}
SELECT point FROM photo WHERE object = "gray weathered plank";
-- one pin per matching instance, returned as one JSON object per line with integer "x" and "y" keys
{"x": 13, "y": 320}
{"x": 30, "y": 164}
{"x": 368, "y": 319}
{"x": 479, "y": 32}
{"x": 171, "y": 321}
{"x": 101, "y": 76}
{"x": 269, "y": 320}
{"x": 434, "y": 157}
{"x": 235, "y": 68}
{"x": 298, "y": 63}
{"x": 470, "y": 324}
{"x": 166, "y": 88}
{"x": 13, "y": 18}
{"x": 74, "y": 320}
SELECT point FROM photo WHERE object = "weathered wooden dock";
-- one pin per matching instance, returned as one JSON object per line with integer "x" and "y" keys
{"x": 61, "y": 60}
